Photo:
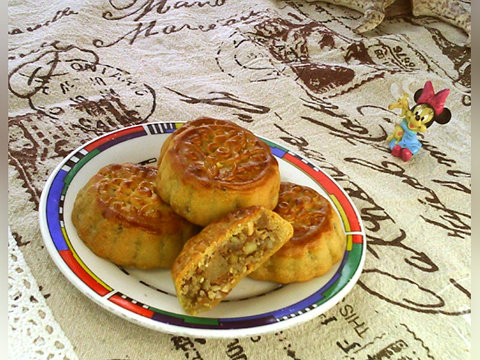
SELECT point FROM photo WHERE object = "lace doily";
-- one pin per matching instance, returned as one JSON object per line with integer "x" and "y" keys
{"x": 33, "y": 333}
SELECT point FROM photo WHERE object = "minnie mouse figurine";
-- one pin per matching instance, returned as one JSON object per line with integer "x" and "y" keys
{"x": 429, "y": 108}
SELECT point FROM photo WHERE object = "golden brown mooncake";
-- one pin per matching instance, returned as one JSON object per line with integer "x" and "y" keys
{"x": 119, "y": 217}
{"x": 210, "y": 167}
{"x": 318, "y": 240}
{"x": 214, "y": 261}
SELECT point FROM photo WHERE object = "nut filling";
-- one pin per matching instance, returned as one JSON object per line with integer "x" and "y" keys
{"x": 217, "y": 274}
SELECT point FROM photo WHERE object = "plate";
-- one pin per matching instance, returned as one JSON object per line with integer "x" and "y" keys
{"x": 148, "y": 297}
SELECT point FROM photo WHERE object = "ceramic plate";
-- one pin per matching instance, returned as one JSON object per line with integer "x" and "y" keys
{"x": 148, "y": 297}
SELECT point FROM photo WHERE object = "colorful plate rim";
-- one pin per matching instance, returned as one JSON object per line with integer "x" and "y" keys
{"x": 64, "y": 255}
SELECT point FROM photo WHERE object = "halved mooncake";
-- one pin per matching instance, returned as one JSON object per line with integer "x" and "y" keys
{"x": 215, "y": 260}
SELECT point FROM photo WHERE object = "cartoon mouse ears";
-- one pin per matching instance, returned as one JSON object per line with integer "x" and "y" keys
{"x": 436, "y": 101}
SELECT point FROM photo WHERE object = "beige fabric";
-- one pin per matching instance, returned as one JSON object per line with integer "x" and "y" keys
{"x": 294, "y": 72}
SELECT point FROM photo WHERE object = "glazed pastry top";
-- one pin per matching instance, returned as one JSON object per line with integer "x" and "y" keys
{"x": 125, "y": 193}
{"x": 305, "y": 209}
{"x": 222, "y": 152}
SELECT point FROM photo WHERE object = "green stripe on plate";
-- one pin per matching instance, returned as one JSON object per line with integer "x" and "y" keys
{"x": 186, "y": 318}
{"x": 77, "y": 167}
{"x": 348, "y": 271}
{"x": 271, "y": 144}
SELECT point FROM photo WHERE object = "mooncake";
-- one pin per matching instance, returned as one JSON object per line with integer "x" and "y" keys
{"x": 118, "y": 215}
{"x": 318, "y": 241}
{"x": 210, "y": 167}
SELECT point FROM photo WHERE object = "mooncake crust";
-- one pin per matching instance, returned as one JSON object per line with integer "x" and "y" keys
{"x": 318, "y": 241}
{"x": 118, "y": 215}
{"x": 210, "y": 167}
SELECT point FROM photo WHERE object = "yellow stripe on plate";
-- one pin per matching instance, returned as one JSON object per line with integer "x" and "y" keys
{"x": 349, "y": 242}
{"x": 342, "y": 213}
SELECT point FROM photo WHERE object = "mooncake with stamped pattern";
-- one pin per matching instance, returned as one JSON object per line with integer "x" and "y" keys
{"x": 119, "y": 216}
{"x": 210, "y": 167}
{"x": 318, "y": 241}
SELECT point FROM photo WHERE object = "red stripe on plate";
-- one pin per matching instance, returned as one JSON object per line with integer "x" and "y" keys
{"x": 113, "y": 136}
{"x": 72, "y": 263}
{"x": 131, "y": 306}
{"x": 357, "y": 239}
{"x": 331, "y": 187}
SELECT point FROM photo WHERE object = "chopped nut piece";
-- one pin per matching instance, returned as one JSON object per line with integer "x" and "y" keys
{"x": 250, "y": 228}
{"x": 249, "y": 247}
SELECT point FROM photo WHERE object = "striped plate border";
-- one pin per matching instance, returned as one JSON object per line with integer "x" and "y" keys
{"x": 55, "y": 222}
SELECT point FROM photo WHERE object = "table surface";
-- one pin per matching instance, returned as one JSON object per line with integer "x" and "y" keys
{"x": 294, "y": 72}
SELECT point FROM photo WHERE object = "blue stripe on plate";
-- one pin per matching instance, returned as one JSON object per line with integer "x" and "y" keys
{"x": 53, "y": 214}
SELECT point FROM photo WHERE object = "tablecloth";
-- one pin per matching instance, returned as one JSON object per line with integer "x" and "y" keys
{"x": 294, "y": 72}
